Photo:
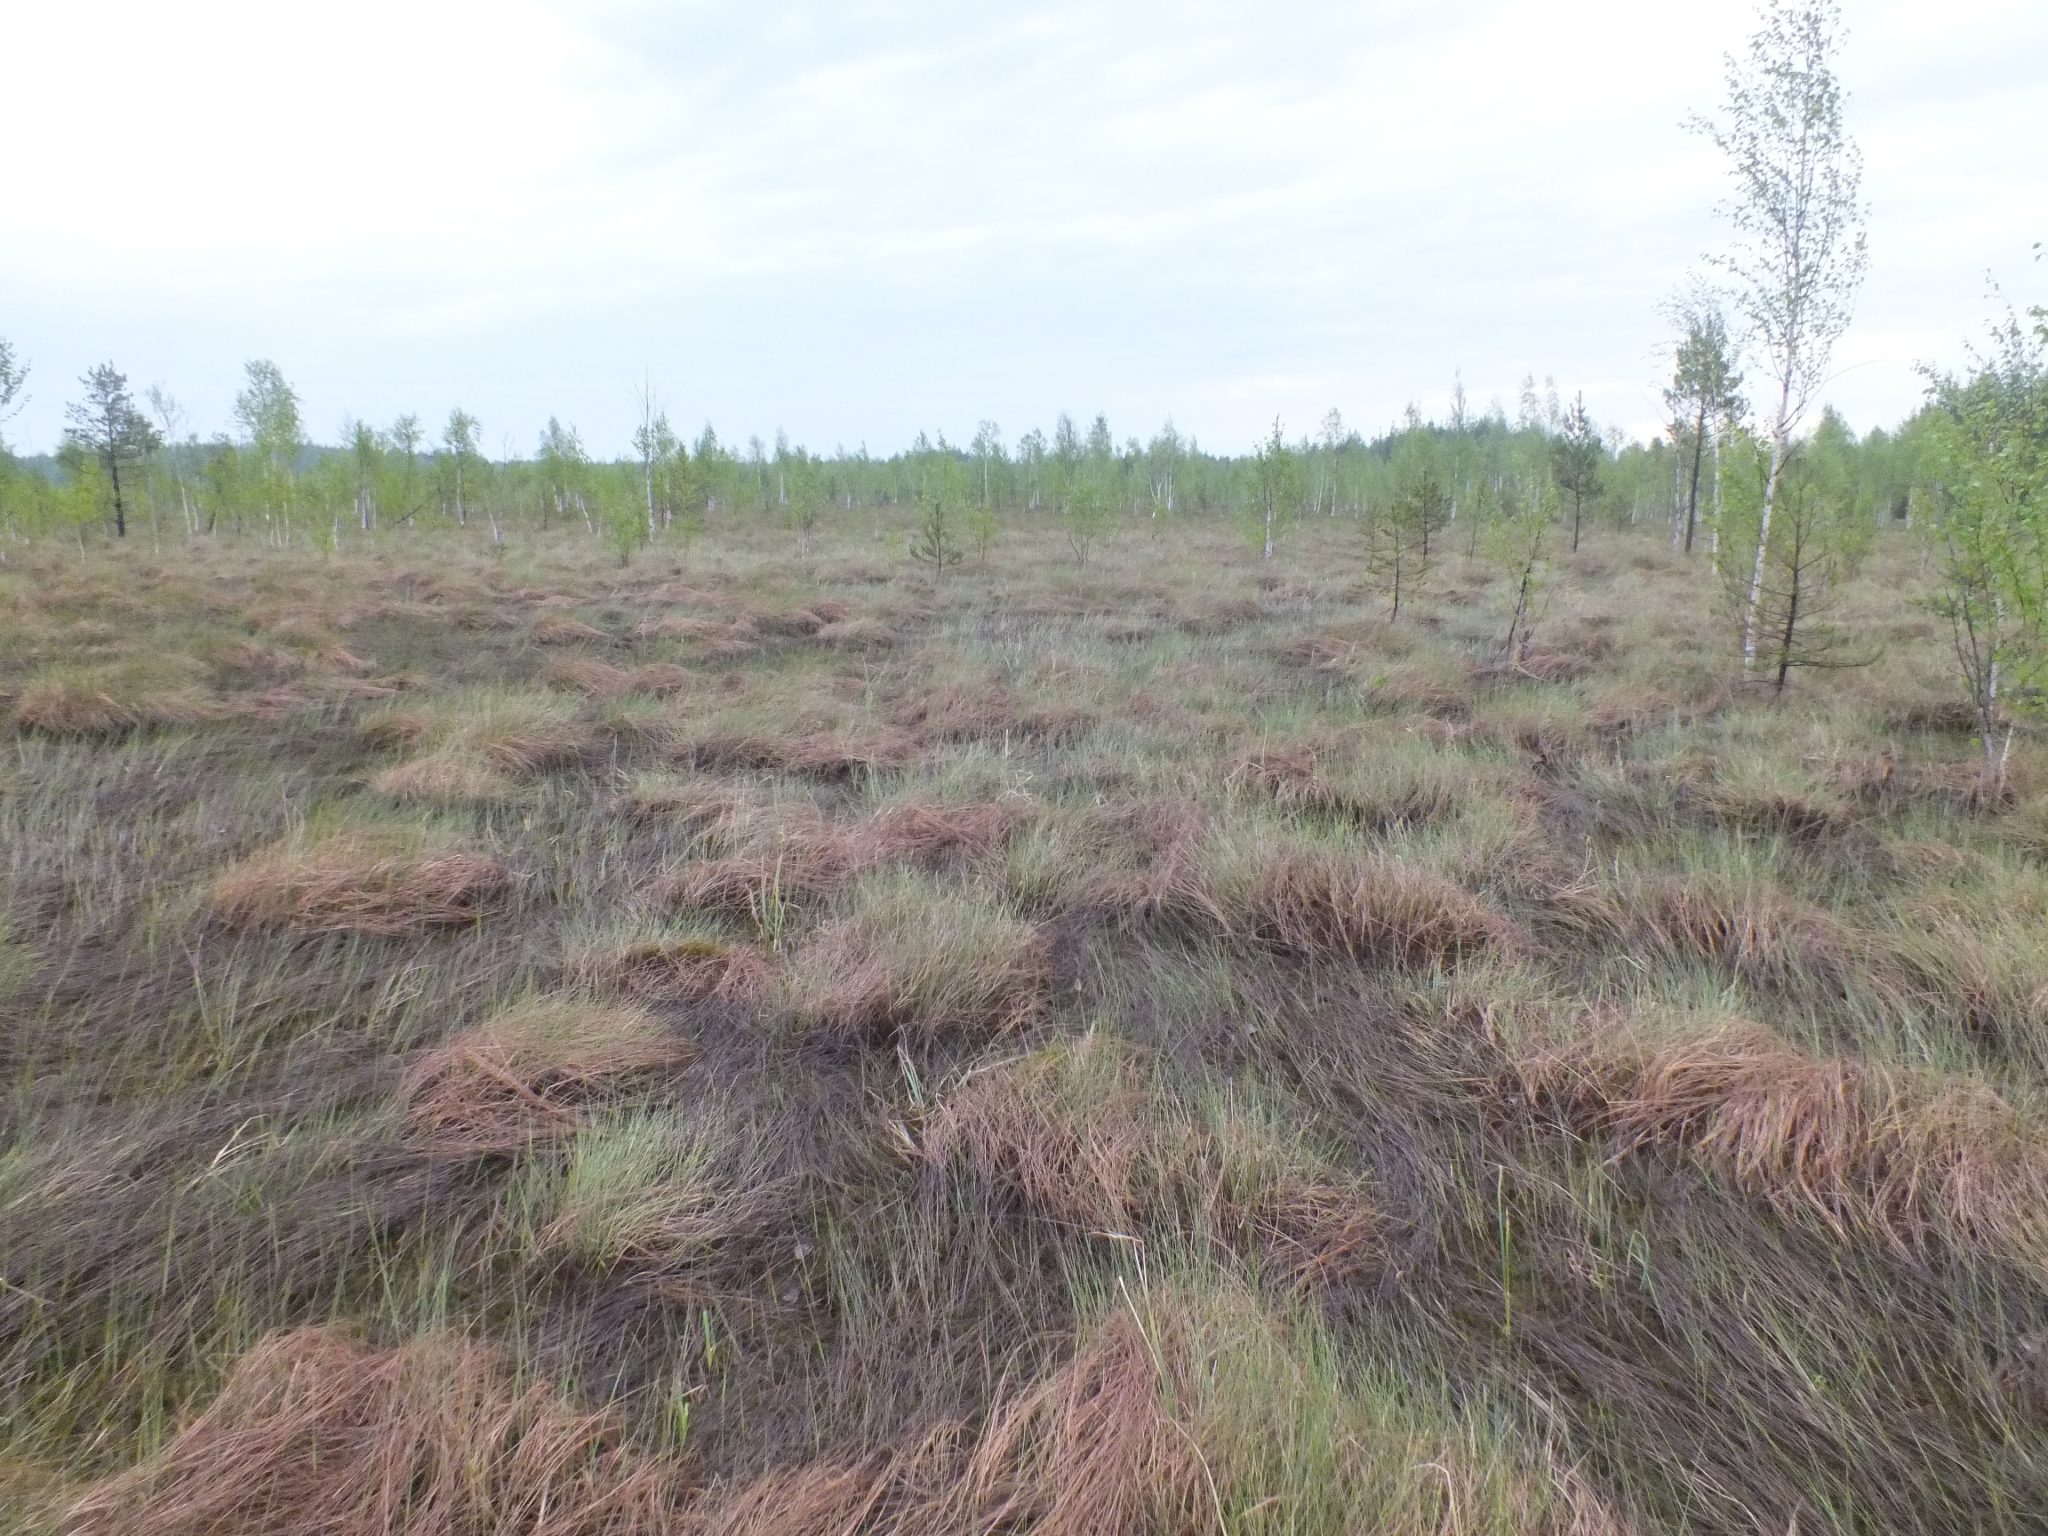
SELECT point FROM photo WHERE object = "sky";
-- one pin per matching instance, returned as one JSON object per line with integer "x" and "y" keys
{"x": 855, "y": 220}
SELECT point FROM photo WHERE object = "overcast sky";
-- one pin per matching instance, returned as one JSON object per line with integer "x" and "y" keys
{"x": 855, "y": 219}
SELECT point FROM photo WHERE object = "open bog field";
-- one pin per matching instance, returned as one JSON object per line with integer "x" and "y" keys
{"x": 760, "y": 1044}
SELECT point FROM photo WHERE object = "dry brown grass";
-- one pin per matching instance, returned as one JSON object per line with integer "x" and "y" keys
{"x": 318, "y": 1432}
{"x": 799, "y": 858}
{"x": 442, "y": 778}
{"x": 832, "y": 755}
{"x": 1332, "y": 903}
{"x": 562, "y": 629}
{"x": 602, "y": 679}
{"x": 360, "y": 882}
{"x": 1856, "y": 1146}
{"x": 1088, "y": 1450}
{"x": 525, "y": 1075}
{"x": 930, "y": 833}
{"x": 1082, "y": 1134}
{"x": 1750, "y": 928}
{"x": 675, "y": 969}
{"x": 91, "y": 702}
{"x": 908, "y": 959}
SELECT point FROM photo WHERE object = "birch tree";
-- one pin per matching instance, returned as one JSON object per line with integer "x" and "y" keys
{"x": 1798, "y": 253}
{"x": 13, "y": 379}
{"x": 170, "y": 425}
{"x": 459, "y": 440}
{"x": 268, "y": 410}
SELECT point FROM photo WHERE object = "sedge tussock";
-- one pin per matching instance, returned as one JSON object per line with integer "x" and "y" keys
{"x": 442, "y": 778}
{"x": 1084, "y": 1134}
{"x": 317, "y": 1431}
{"x": 913, "y": 959}
{"x": 1846, "y": 1142}
{"x": 563, "y": 629}
{"x": 674, "y": 968}
{"x": 1334, "y": 903}
{"x": 360, "y": 882}
{"x": 525, "y": 1074}
{"x": 108, "y": 701}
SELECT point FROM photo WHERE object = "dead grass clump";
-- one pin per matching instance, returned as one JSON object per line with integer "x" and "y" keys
{"x": 525, "y": 1074}
{"x": 1804, "y": 815}
{"x": 793, "y": 867}
{"x": 442, "y": 778}
{"x": 699, "y": 803}
{"x": 910, "y": 958}
{"x": 1137, "y": 861}
{"x": 831, "y": 755}
{"x": 1085, "y": 1134}
{"x": 952, "y": 713}
{"x": 1382, "y": 790}
{"x": 857, "y": 634}
{"x": 360, "y": 882}
{"x": 1905, "y": 1157}
{"x": 588, "y": 675}
{"x": 663, "y": 679}
{"x": 603, "y": 680}
{"x": 110, "y": 701}
{"x": 316, "y": 1431}
{"x": 929, "y": 834}
{"x": 1754, "y": 930}
{"x": 1939, "y": 717}
{"x": 681, "y": 627}
{"x": 1087, "y": 1450}
{"x": 675, "y": 968}
{"x": 563, "y": 629}
{"x": 1328, "y": 903}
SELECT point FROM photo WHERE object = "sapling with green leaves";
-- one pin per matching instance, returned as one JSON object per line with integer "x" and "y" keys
{"x": 1576, "y": 458}
{"x": 1274, "y": 486}
{"x": 1987, "y": 447}
{"x": 939, "y": 495}
{"x": 1798, "y": 253}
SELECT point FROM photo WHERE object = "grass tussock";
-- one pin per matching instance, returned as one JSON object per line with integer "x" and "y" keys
{"x": 478, "y": 746}
{"x": 316, "y": 1431}
{"x": 364, "y": 882}
{"x": 527, "y": 1074}
{"x": 1321, "y": 902}
{"x": 1088, "y": 1135}
{"x": 656, "y": 1191}
{"x": 1854, "y": 1146}
{"x": 111, "y": 700}
{"x": 908, "y": 959}
{"x": 674, "y": 967}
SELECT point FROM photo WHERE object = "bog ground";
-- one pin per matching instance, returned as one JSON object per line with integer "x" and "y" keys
{"x": 749, "y": 1043}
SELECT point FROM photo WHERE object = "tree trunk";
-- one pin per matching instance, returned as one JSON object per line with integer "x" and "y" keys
{"x": 1692, "y": 500}
{"x": 1763, "y": 530}
{"x": 120, "y": 510}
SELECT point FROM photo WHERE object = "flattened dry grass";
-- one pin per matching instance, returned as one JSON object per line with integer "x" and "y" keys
{"x": 376, "y": 881}
{"x": 908, "y": 958}
{"x": 526, "y": 1074}
{"x": 673, "y": 964}
{"x": 1331, "y": 903}
{"x": 317, "y": 1431}
{"x": 1859, "y": 1148}
{"x": 477, "y": 746}
{"x": 1087, "y": 1134}
{"x": 112, "y": 699}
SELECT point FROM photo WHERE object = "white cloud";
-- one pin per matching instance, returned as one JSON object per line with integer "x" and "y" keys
{"x": 856, "y": 219}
